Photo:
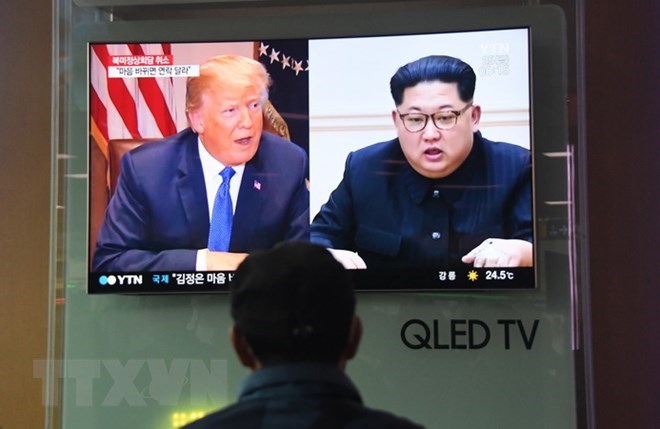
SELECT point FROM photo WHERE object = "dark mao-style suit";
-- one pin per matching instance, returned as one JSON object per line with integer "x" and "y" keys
{"x": 395, "y": 218}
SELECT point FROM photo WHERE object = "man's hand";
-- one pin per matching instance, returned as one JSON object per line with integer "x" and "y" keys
{"x": 498, "y": 252}
{"x": 223, "y": 261}
{"x": 350, "y": 260}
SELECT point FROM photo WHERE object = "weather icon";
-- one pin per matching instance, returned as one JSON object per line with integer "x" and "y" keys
{"x": 472, "y": 276}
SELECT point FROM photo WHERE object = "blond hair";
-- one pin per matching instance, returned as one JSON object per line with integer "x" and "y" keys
{"x": 226, "y": 70}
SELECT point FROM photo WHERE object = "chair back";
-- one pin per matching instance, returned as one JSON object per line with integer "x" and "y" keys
{"x": 116, "y": 149}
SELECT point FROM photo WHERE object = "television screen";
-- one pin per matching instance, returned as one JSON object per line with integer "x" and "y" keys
{"x": 429, "y": 192}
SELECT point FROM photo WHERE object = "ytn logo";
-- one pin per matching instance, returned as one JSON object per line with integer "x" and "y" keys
{"x": 124, "y": 279}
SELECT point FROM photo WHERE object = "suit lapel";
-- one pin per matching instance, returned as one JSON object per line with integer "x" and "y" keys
{"x": 192, "y": 191}
{"x": 251, "y": 200}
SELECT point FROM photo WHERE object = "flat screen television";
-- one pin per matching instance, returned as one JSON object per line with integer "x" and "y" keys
{"x": 330, "y": 86}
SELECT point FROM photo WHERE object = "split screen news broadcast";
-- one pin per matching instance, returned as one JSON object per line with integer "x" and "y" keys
{"x": 408, "y": 156}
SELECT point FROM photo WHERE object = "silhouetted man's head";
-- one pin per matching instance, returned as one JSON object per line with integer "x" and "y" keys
{"x": 294, "y": 303}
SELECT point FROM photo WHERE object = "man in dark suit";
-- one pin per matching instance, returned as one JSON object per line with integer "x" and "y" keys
{"x": 440, "y": 195}
{"x": 174, "y": 208}
{"x": 295, "y": 328}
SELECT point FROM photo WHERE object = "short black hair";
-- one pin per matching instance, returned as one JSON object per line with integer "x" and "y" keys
{"x": 293, "y": 303}
{"x": 434, "y": 67}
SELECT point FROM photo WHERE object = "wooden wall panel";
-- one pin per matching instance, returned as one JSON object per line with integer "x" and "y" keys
{"x": 623, "y": 148}
{"x": 25, "y": 94}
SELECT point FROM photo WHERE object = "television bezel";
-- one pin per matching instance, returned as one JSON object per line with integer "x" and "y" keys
{"x": 547, "y": 80}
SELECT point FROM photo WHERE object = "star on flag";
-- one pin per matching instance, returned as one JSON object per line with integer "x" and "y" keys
{"x": 287, "y": 61}
{"x": 263, "y": 49}
{"x": 274, "y": 56}
{"x": 297, "y": 67}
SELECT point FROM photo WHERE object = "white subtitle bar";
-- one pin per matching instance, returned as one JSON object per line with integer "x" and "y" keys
{"x": 153, "y": 71}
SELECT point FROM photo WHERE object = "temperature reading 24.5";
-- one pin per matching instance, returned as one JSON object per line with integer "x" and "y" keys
{"x": 499, "y": 275}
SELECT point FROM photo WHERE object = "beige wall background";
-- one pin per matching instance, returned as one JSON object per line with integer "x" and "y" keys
{"x": 25, "y": 171}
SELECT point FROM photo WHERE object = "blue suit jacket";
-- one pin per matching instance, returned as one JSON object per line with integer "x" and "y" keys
{"x": 394, "y": 217}
{"x": 158, "y": 217}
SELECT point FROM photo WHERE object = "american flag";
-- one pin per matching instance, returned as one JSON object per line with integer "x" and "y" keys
{"x": 287, "y": 63}
{"x": 129, "y": 107}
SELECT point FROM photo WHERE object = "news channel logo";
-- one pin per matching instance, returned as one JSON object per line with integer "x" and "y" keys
{"x": 125, "y": 279}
